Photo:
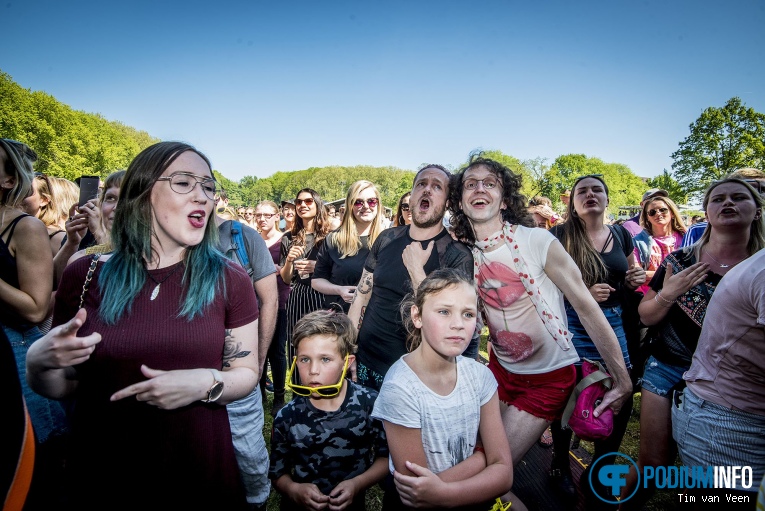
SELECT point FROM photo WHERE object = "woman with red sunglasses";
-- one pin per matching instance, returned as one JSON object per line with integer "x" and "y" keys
{"x": 299, "y": 248}
{"x": 341, "y": 259}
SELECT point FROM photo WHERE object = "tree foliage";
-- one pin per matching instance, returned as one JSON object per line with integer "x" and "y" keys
{"x": 625, "y": 188}
{"x": 331, "y": 183}
{"x": 665, "y": 181}
{"x": 721, "y": 140}
{"x": 69, "y": 143}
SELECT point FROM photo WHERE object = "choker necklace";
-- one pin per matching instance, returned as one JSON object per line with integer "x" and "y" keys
{"x": 155, "y": 292}
{"x": 718, "y": 262}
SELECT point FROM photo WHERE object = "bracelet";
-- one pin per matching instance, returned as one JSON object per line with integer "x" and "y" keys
{"x": 669, "y": 302}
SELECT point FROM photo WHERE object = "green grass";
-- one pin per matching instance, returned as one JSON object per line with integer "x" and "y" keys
{"x": 663, "y": 500}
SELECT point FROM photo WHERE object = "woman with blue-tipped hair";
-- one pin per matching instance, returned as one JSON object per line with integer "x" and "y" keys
{"x": 168, "y": 338}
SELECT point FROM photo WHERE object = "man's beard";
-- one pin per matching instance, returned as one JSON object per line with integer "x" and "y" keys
{"x": 432, "y": 217}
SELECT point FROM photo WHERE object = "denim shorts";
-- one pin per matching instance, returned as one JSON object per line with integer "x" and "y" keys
{"x": 709, "y": 434}
{"x": 661, "y": 378}
{"x": 584, "y": 346}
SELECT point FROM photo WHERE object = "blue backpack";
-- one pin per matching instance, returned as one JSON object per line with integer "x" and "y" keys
{"x": 239, "y": 248}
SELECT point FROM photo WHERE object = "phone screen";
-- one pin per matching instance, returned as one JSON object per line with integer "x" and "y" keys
{"x": 88, "y": 188}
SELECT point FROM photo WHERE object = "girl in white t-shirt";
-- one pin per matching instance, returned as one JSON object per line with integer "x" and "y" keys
{"x": 448, "y": 447}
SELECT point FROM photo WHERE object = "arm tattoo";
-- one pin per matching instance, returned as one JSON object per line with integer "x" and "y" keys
{"x": 365, "y": 286}
{"x": 232, "y": 349}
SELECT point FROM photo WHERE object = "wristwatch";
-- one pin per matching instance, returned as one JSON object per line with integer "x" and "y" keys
{"x": 216, "y": 390}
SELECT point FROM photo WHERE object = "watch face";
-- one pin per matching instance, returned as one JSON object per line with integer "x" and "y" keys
{"x": 216, "y": 391}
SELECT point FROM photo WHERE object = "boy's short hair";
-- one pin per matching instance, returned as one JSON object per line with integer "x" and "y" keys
{"x": 324, "y": 322}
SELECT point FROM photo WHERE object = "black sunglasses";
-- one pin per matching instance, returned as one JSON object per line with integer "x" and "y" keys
{"x": 663, "y": 211}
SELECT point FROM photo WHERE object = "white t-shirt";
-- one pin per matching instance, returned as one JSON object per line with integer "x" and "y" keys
{"x": 519, "y": 339}
{"x": 449, "y": 424}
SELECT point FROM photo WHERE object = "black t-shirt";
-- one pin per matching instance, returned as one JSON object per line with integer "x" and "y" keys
{"x": 342, "y": 272}
{"x": 677, "y": 335}
{"x": 382, "y": 338}
{"x": 615, "y": 261}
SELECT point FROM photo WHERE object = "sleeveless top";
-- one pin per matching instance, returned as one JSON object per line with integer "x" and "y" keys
{"x": 9, "y": 273}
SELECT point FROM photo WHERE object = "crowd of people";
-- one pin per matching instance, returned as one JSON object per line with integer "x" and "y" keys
{"x": 146, "y": 325}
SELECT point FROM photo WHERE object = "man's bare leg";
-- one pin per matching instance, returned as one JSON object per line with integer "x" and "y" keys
{"x": 522, "y": 430}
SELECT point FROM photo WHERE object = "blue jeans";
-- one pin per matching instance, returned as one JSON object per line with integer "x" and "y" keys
{"x": 48, "y": 416}
{"x": 585, "y": 348}
{"x": 709, "y": 434}
{"x": 246, "y": 419}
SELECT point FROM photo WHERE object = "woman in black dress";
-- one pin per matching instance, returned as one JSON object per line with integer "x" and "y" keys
{"x": 341, "y": 258}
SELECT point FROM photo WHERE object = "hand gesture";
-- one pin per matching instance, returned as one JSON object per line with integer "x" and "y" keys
{"x": 342, "y": 495}
{"x": 420, "y": 490}
{"x": 168, "y": 390}
{"x": 615, "y": 398}
{"x": 93, "y": 213}
{"x": 414, "y": 258}
{"x": 61, "y": 347}
{"x": 347, "y": 293}
{"x": 296, "y": 252}
{"x": 76, "y": 227}
{"x": 676, "y": 285}
{"x": 304, "y": 266}
{"x": 308, "y": 496}
{"x": 601, "y": 292}
{"x": 635, "y": 276}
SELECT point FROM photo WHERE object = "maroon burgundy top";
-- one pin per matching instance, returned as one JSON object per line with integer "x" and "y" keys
{"x": 135, "y": 455}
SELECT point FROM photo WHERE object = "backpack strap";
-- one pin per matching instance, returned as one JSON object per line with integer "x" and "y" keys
{"x": 239, "y": 246}
{"x": 594, "y": 377}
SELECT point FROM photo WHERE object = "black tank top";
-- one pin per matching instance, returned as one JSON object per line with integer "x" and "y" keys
{"x": 9, "y": 273}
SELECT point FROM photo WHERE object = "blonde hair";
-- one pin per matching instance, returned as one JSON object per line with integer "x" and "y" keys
{"x": 346, "y": 239}
{"x": 47, "y": 212}
{"x": 677, "y": 219}
{"x": 64, "y": 195}
{"x": 18, "y": 164}
{"x": 756, "y": 231}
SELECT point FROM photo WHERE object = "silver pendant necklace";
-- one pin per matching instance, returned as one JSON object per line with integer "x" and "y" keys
{"x": 718, "y": 262}
{"x": 155, "y": 292}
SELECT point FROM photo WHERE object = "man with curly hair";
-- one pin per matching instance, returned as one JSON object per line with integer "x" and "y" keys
{"x": 522, "y": 274}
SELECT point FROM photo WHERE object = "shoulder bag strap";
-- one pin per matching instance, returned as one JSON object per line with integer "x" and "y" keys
{"x": 88, "y": 278}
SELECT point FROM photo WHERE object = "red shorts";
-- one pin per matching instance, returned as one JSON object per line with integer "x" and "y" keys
{"x": 542, "y": 395}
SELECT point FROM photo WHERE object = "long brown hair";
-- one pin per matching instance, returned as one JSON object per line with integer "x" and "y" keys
{"x": 322, "y": 226}
{"x": 578, "y": 244}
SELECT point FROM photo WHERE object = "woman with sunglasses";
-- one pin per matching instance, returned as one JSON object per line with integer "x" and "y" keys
{"x": 674, "y": 308}
{"x": 604, "y": 255}
{"x": 663, "y": 231}
{"x": 299, "y": 249}
{"x": 169, "y": 337}
{"x": 340, "y": 261}
{"x": 403, "y": 212}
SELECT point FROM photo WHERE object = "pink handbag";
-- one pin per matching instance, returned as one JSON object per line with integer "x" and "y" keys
{"x": 587, "y": 395}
